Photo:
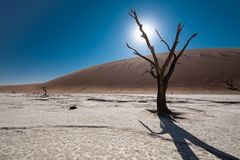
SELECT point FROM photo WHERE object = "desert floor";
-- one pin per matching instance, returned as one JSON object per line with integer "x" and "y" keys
{"x": 118, "y": 126}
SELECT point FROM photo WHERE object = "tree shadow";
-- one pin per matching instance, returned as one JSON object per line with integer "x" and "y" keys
{"x": 180, "y": 137}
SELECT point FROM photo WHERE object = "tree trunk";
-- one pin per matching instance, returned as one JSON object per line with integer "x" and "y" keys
{"x": 162, "y": 108}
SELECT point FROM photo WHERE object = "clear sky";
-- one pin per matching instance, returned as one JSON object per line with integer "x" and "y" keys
{"x": 44, "y": 39}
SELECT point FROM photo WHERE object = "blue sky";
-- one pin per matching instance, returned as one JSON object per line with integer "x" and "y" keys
{"x": 44, "y": 39}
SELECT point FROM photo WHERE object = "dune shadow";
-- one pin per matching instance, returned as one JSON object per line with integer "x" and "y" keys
{"x": 180, "y": 137}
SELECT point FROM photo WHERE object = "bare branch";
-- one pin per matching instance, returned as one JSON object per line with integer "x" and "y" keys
{"x": 140, "y": 55}
{"x": 172, "y": 67}
{"x": 176, "y": 41}
{"x": 131, "y": 13}
{"x": 151, "y": 72}
{"x": 185, "y": 46}
{"x": 144, "y": 35}
{"x": 162, "y": 40}
{"x": 172, "y": 51}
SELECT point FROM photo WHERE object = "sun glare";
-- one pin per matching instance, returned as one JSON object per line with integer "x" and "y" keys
{"x": 149, "y": 30}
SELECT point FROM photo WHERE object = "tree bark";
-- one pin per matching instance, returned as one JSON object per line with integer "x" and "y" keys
{"x": 162, "y": 108}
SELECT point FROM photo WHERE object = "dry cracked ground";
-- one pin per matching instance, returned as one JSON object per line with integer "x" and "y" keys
{"x": 118, "y": 126}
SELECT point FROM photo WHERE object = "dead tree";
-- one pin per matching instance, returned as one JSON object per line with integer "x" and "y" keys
{"x": 229, "y": 85}
{"x": 45, "y": 91}
{"x": 162, "y": 73}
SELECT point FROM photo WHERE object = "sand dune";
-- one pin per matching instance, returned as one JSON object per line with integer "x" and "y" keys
{"x": 199, "y": 70}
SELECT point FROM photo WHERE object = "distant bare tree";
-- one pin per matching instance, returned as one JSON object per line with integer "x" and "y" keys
{"x": 230, "y": 85}
{"x": 162, "y": 73}
{"x": 45, "y": 91}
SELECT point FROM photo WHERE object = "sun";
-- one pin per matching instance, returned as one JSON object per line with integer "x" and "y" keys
{"x": 148, "y": 29}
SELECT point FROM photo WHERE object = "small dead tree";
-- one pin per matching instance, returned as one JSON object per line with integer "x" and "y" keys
{"x": 230, "y": 85}
{"x": 45, "y": 91}
{"x": 162, "y": 73}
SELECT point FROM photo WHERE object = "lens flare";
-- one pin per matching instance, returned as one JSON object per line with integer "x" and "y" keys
{"x": 148, "y": 28}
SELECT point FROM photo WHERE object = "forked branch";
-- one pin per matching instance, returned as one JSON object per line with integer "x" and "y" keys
{"x": 151, "y": 71}
{"x": 173, "y": 64}
{"x": 133, "y": 14}
{"x": 172, "y": 50}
